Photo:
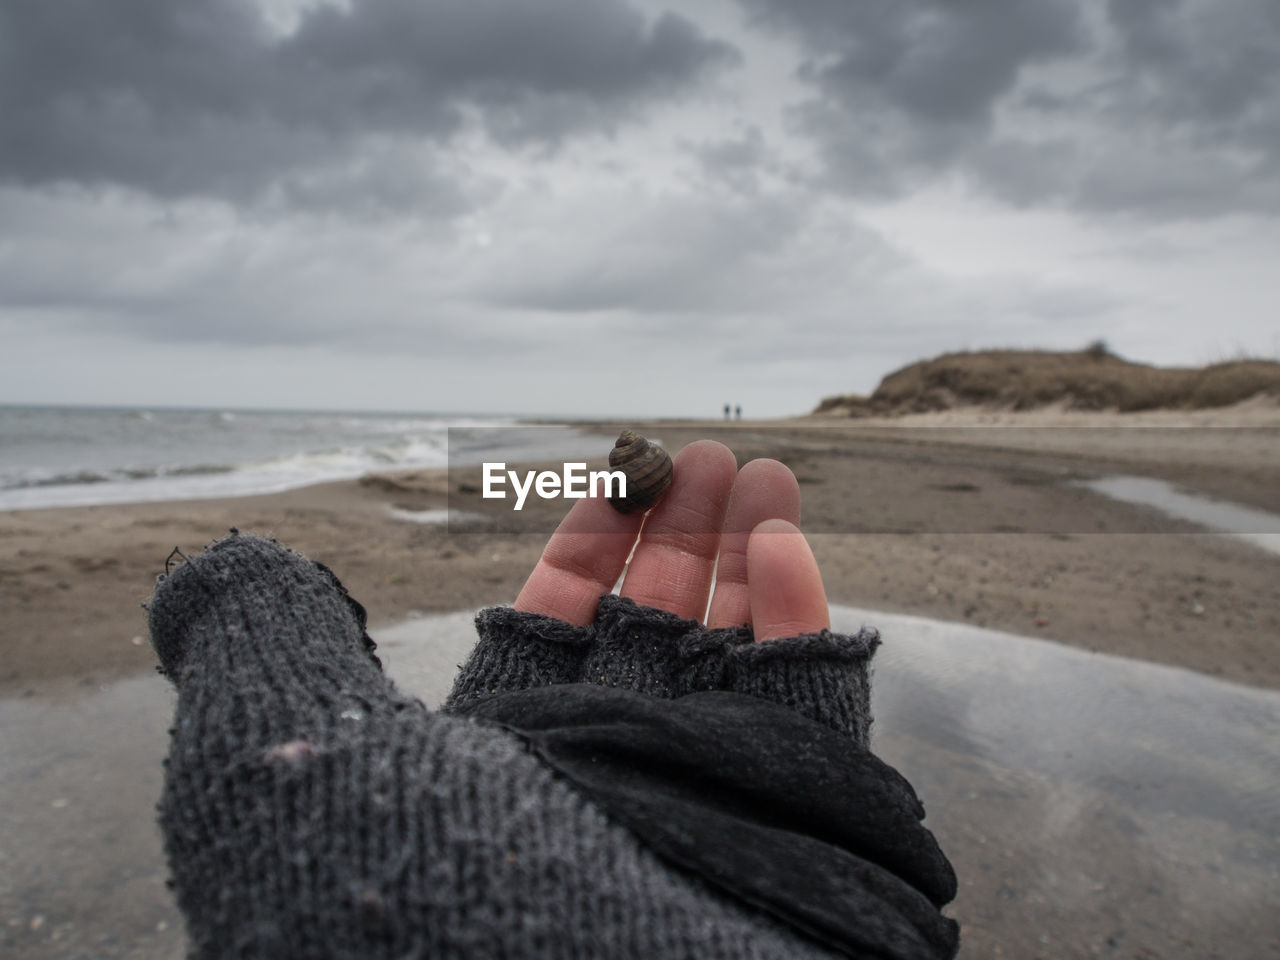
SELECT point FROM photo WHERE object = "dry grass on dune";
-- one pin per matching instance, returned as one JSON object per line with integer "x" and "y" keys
{"x": 1089, "y": 379}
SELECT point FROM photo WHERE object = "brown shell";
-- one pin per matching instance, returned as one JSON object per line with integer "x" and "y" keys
{"x": 648, "y": 470}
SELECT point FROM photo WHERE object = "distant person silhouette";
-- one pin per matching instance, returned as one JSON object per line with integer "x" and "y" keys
{"x": 727, "y": 408}
{"x": 737, "y": 412}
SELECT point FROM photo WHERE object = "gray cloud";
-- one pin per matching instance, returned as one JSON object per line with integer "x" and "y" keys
{"x": 942, "y": 63}
{"x": 1214, "y": 65}
{"x": 673, "y": 254}
{"x": 905, "y": 88}
{"x": 736, "y": 162}
{"x": 515, "y": 194}
{"x": 1162, "y": 108}
{"x": 200, "y": 98}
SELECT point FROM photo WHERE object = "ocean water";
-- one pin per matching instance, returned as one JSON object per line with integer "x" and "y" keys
{"x": 77, "y": 456}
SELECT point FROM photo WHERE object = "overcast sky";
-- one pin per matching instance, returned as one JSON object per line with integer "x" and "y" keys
{"x": 614, "y": 207}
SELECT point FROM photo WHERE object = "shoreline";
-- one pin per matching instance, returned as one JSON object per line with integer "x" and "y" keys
{"x": 1026, "y": 552}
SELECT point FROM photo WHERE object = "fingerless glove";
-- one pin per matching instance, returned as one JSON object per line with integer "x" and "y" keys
{"x": 310, "y": 809}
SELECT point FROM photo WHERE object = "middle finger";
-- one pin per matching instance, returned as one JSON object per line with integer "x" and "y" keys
{"x": 675, "y": 558}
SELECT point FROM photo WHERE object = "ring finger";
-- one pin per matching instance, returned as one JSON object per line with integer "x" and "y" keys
{"x": 763, "y": 490}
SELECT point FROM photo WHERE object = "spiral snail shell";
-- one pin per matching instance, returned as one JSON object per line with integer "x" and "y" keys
{"x": 647, "y": 468}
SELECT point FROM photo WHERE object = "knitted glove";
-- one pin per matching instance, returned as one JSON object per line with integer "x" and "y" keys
{"x": 822, "y": 676}
{"x": 312, "y": 810}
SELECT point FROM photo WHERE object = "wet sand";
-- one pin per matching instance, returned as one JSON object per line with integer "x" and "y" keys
{"x": 1092, "y": 805}
{"x": 977, "y": 521}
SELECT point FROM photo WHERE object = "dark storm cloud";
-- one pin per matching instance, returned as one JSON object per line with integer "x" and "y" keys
{"x": 940, "y": 62}
{"x": 1212, "y": 69}
{"x": 200, "y": 97}
{"x": 1159, "y": 107}
{"x": 907, "y": 87}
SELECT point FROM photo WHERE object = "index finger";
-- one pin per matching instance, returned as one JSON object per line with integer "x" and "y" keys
{"x": 582, "y": 561}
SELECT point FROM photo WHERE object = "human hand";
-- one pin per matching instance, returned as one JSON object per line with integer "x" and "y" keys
{"x": 765, "y": 575}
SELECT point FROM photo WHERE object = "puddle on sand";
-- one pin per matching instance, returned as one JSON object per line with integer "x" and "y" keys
{"x": 81, "y": 868}
{"x": 1092, "y": 805}
{"x": 1089, "y": 802}
{"x": 1258, "y": 527}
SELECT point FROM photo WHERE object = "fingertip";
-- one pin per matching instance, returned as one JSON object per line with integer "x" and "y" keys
{"x": 707, "y": 455}
{"x": 787, "y": 596}
{"x": 770, "y": 483}
{"x": 776, "y": 525}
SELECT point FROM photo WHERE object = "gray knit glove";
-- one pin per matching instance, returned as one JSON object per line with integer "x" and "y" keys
{"x": 312, "y": 810}
{"x": 823, "y": 676}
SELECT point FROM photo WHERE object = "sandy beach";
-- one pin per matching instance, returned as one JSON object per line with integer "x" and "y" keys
{"x": 973, "y": 516}
{"x": 1058, "y": 782}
